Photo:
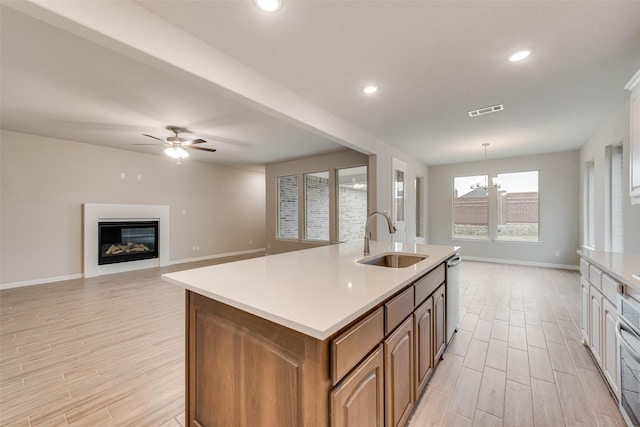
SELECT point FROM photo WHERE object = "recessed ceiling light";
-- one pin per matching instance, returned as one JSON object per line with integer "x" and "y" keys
{"x": 519, "y": 55}
{"x": 369, "y": 90}
{"x": 269, "y": 5}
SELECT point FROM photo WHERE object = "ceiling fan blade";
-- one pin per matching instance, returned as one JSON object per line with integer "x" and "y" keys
{"x": 154, "y": 137}
{"x": 212, "y": 150}
{"x": 193, "y": 142}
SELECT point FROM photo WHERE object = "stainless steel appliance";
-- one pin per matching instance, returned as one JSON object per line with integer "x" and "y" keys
{"x": 628, "y": 331}
{"x": 453, "y": 295}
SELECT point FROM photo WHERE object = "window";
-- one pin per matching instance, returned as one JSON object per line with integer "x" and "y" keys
{"x": 400, "y": 196}
{"x": 419, "y": 187}
{"x": 316, "y": 190}
{"x": 352, "y": 203}
{"x": 518, "y": 207}
{"x": 614, "y": 196}
{"x": 322, "y": 206}
{"x": 398, "y": 191}
{"x": 589, "y": 207}
{"x": 470, "y": 208}
{"x": 287, "y": 207}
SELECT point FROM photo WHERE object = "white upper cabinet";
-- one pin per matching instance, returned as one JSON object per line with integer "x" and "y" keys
{"x": 634, "y": 143}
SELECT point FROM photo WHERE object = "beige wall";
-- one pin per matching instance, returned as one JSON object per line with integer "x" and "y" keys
{"x": 614, "y": 131}
{"x": 342, "y": 159}
{"x": 45, "y": 182}
{"x": 559, "y": 209}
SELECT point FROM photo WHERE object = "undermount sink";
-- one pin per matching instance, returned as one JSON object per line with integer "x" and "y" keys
{"x": 393, "y": 260}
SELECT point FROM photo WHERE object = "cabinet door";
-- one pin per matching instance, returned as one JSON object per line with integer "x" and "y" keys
{"x": 610, "y": 357}
{"x": 440, "y": 324}
{"x": 358, "y": 401}
{"x": 398, "y": 367}
{"x": 595, "y": 324}
{"x": 423, "y": 351}
{"x": 584, "y": 306}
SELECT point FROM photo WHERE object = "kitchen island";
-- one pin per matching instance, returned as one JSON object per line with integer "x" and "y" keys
{"x": 313, "y": 337}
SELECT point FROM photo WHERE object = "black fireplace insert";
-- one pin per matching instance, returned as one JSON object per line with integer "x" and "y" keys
{"x": 122, "y": 241}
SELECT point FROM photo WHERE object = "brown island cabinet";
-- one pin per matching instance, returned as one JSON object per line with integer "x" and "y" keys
{"x": 246, "y": 370}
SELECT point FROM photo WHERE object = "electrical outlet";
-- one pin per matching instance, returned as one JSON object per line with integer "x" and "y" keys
{"x": 123, "y": 175}
{"x": 557, "y": 252}
{"x": 139, "y": 177}
{"x": 250, "y": 242}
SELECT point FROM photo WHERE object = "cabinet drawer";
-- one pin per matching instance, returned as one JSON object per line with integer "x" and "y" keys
{"x": 428, "y": 284}
{"x": 398, "y": 309}
{"x": 610, "y": 289}
{"x": 584, "y": 268}
{"x": 350, "y": 347}
{"x": 595, "y": 277}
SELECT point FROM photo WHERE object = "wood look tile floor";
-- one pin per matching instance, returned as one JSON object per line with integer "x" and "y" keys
{"x": 517, "y": 359}
{"x": 110, "y": 351}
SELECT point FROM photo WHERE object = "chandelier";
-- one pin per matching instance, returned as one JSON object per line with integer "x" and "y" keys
{"x": 495, "y": 181}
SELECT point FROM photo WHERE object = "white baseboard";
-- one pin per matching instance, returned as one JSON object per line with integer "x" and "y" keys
{"x": 80, "y": 275}
{"x": 518, "y": 262}
{"x": 39, "y": 281}
{"x": 224, "y": 255}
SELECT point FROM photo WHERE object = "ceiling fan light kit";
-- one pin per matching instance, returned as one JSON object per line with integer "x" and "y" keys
{"x": 176, "y": 144}
{"x": 176, "y": 153}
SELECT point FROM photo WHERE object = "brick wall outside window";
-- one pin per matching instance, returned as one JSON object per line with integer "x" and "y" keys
{"x": 514, "y": 208}
{"x": 471, "y": 211}
{"x": 352, "y": 209}
{"x": 518, "y": 208}
{"x": 317, "y": 208}
{"x": 288, "y": 207}
{"x": 352, "y": 213}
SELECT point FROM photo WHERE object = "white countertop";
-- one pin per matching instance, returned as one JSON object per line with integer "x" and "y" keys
{"x": 621, "y": 266}
{"x": 313, "y": 291}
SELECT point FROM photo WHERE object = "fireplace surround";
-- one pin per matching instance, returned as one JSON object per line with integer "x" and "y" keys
{"x": 118, "y": 216}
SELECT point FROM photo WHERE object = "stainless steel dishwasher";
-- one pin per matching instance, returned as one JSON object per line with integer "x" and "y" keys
{"x": 453, "y": 295}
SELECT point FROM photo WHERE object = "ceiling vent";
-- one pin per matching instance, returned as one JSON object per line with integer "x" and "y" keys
{"x": 486, "y": 110}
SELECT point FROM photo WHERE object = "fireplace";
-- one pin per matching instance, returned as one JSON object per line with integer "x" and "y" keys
{"x": 96, "y": 213}
{"x": 122, "y": 241}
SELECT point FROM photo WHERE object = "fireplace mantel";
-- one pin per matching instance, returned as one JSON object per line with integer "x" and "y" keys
{"x": 96, "y": 212}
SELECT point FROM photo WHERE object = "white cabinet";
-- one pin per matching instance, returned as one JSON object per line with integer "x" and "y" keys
{"x": 584, "y": 313}
{"x": 634, "y": 144}
{"x": 595, "y": 324}
{"x": 598, "y": 317}
{"x": 610, "y": 356}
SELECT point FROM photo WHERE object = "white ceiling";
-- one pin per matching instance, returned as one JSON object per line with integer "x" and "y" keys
{"x": 433, "y": 61}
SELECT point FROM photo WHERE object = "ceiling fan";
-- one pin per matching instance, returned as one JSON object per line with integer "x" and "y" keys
{"x": 176, "y": 144}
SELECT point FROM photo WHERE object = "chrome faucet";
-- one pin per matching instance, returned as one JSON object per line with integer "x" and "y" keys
{"x": 367, "y": 232}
